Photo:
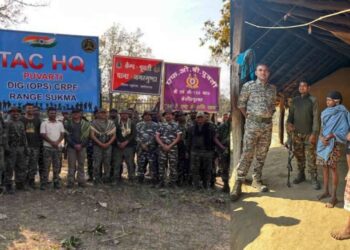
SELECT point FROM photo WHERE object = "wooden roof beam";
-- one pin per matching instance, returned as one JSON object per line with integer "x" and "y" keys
{"x": 315, "y": 5}
{"x": 310, "y": 14}
{"x": 310, "y": 67}
{"x": 295, "y": 56}
{"x": 285, "y": 52}
{"x": 273, "y": 17}
{"x": 271, "y": 50}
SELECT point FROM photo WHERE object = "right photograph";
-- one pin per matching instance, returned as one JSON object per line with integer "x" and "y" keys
{"x": 289, "y": 176}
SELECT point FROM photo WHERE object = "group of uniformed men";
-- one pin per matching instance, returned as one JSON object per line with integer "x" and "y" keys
{"x": 257, "y": 102}
{"x": 170, "y": 150}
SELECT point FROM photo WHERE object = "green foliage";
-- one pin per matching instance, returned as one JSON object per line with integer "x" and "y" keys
{"x": 100, "y": 230}
{"x": 118, "y": 41}
{"x": 217, "y": 35}
{"x": 71, "y": 243}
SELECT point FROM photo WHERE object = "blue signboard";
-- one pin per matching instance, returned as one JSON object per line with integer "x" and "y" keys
{"x": 48, "y": 70}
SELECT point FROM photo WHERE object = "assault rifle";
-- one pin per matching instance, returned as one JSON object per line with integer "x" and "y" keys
{"x": 289, "y": 146}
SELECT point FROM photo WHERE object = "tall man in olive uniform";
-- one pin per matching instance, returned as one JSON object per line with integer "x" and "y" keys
{"x": 223, "y": 135}
{"x": 257, "y": 103}
{"x": 125, "y": 146}
{"x": 103, "y": 134}
{"x": 16, "y": 151}
{"x": 183, "y": 170}
{"x": 303, "y": 123}
{"x": 32, "y": 128}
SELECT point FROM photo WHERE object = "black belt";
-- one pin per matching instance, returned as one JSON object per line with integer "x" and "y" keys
{"x": 260, "y": 119}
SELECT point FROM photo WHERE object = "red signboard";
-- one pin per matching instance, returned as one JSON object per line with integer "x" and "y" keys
{"x": 136, "y": 75}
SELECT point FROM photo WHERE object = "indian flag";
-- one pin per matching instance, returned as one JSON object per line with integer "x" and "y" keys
{"x": 40, "y": 41}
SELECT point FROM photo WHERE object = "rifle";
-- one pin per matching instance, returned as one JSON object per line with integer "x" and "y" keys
{"x": 289, "y": 146}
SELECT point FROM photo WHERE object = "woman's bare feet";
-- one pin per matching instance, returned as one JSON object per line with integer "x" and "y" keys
{"x": 333, "y": 201}
{"x": 341, "y": 234}
{"x": 323, "y": 196}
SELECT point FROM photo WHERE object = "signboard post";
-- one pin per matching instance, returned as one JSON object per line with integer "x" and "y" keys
{"x": 191, "y": 87}
{"x": 48, "y": 70}
{"x": 136, "y": 75}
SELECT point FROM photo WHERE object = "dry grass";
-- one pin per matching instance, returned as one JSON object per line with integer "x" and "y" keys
{"x": 136, "y": 217}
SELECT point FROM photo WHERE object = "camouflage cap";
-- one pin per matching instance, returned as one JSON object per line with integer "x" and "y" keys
{"x": 168, "y": 111}
{"x": 200, "y": 114}
{"x": 179, "y": 113}
{"x": 77, "y": 110}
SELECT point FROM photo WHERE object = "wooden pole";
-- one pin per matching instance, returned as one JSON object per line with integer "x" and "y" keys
{"x": 237, "y": 19}
{"x": 281, "y": 119}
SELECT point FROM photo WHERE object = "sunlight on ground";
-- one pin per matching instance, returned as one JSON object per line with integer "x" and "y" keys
{"x": 222, "y": 215}
{"x": 33, "y": 241}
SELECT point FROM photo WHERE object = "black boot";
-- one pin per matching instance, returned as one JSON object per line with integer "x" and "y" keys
{"x": 237, "y": 191}
{"x": 31, "y": 184}
{"x": 140, "y": 179}
{"x": 226, "y": 187}
{"x": 20, "y": 186}
{"x": 314, "y": 182}
{"x": 57, "y": 185}
{"x": 9, "y": 189}
{"x": 300, "y": 177}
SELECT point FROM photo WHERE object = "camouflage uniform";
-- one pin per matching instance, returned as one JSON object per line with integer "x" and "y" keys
{"x": 223, "y": 132}
{"x": 183, "y": 164}
{"x": 104, "y": 131}
{"x": 259, "y": 100}
{"x": 303, "y": 114}
{"x": 17, "y": 146}
{"x": 90, "y": 159}
{"x": 32, "y": 128}
{"x": 146, "y": 135}
{"x": 76, "y": 159}
{"x": 168, "y": 133}
{"x": 215, "y": 156}
{"x": 127, "y": 153}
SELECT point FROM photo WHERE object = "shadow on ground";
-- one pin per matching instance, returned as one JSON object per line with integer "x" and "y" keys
{"x": 286, "y": 218}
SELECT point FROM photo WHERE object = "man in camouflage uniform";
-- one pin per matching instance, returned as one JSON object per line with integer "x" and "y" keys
{"x": 303, "y": 123}
{"x": 167, "y": 136}
{"x": 32, "y": 128}
{"x": 114, "y": 116}
{"x": 223, "y": 135}
{"x": 90, "y": 155}
{"x": 257, "y": 104}
{"x": 215, "y": 153}
{"x": 201, "y": 140}
{"x": 146, "y": 147}
{"x": 103, "y": 133}
{"x": 16, "y": 151}
{"x": 77, "y": 137}
{"x": 183, "y": 164}
{"x": 192, "y": 121}
{"x": 125, "y": 146}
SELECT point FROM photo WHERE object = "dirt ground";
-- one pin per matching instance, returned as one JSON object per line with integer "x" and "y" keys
{"x": 133, "y": 216}
{"x": 286, "y": 218}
